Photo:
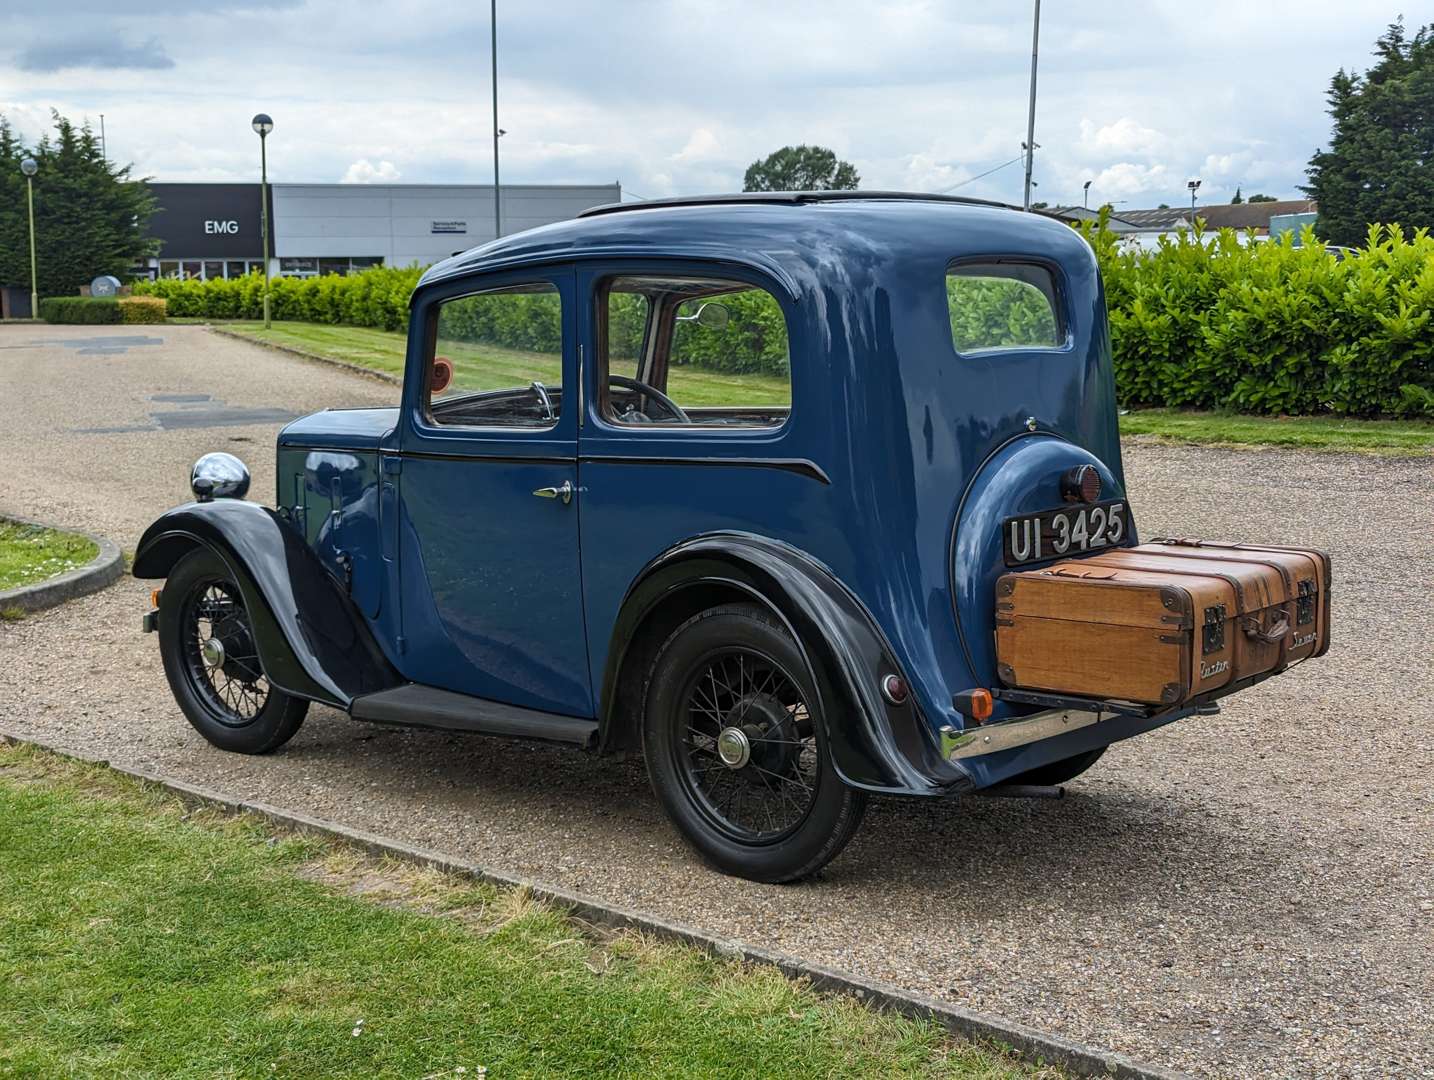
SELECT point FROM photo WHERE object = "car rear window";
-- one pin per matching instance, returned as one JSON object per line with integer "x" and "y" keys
{"x": 1003, "y": 306}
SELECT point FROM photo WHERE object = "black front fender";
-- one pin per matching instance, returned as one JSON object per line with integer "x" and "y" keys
{"x": 313, "y": 641}
{"x": 874, "y": 745}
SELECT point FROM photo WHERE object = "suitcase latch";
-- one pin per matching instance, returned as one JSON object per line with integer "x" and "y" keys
{"x": 1212, "y": 637}
{"x": 1305, "y": 603}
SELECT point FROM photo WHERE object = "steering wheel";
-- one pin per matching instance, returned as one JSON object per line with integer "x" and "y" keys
{"x": 652, "y": 392}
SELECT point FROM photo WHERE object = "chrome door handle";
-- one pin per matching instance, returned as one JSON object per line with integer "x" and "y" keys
{"x": 563, "y": 491}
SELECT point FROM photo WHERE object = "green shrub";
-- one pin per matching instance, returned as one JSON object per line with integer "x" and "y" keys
{"x": 1202, "y": 321}
{"x": 1205, "y": 321}
{"x": 375, "y": 298}
{"x": 88, "y": 310}
{"x": 141, "y": 309}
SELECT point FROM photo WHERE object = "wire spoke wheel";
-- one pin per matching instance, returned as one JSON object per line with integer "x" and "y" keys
{"x": 748, "y": 754}
{"x": 220, "y": 657}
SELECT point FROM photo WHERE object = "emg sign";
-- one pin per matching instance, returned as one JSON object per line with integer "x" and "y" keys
{"x": 221, "y": 228}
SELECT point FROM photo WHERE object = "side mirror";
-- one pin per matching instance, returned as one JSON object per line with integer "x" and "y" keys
{"x": 710, "y": 316}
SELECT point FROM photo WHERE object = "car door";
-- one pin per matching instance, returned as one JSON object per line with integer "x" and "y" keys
{"x": 490, "y": 583}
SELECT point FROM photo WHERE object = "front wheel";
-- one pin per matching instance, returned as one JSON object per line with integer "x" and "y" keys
{"x": 206, "y": 640}
{"x": 737, "y": 753}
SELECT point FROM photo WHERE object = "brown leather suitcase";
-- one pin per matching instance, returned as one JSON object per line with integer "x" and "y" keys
{"x": 1161, "y": 623}
{"x": 1308, "y": 572}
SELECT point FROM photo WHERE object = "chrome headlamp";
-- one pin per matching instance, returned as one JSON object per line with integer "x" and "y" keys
{"x": 219, "y": 476}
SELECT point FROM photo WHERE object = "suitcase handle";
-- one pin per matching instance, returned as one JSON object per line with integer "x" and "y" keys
{"x": 1082, "y": 574}
{"x": 1273, "y": 636}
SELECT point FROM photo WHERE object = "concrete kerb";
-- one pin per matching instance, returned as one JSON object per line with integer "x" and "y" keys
{"x": 104, "y": 569}
{"x": 304, "y": 354}
{"x": 1031, "y": 1045}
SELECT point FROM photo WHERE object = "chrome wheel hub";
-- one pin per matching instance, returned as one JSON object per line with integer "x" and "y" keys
{"x": 734, "y": 748}
{"x": 212, "y": 652}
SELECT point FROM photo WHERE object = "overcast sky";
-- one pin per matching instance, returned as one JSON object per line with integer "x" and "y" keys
{"x": 679, "y": 96}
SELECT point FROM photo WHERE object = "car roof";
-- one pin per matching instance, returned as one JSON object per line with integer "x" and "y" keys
{"x": 790, "y": 235}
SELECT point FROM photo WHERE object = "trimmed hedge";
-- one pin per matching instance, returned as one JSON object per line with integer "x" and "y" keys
{"x": 375, "y": 298}
{"x": 1202, "y": 321}
{"x": 1205, "y": 321}
{"x": 141, "y": 309}
{"x": 87, "y": 310}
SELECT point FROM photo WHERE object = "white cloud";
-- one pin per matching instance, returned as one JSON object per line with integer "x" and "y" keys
{"x": 364, "y": 171}
{"x": 1127, "y": 179}
{"x": 1124, "y": 137}
{"x": 701, "y": 146}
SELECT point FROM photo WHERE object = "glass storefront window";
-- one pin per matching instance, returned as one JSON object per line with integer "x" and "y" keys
{"x": 192, "y": 268}
{"x": 236, "y": 268}
{"x": 298, "y": 267}
{"x": 168, "y": 268}
{"x": 213, "y": 270}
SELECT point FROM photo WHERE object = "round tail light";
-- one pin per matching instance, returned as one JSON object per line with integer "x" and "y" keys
{"x": 894, "y": 689}
{"x": 1081, "y": 484}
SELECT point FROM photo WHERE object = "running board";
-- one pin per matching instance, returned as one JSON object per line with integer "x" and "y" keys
{"x": 416, "y": 705}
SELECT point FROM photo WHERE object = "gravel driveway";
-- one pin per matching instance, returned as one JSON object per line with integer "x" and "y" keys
{"x": 1250, "y": 894}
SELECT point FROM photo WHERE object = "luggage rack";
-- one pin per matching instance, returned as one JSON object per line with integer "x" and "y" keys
{"x": 1203, "y": 706}
{"x": 1076, "y": 704}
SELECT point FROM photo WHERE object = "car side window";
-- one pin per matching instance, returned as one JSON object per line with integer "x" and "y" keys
{"x": 1003, "y": 306}
{"x": 693, "y": 352}
{"x": 495, "y": 359}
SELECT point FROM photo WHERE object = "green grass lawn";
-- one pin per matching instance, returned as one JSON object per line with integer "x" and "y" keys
{"x": 492, "y": 368}
{"x": 29, "y": 553}
{"x": 139, "y": 937}
{"x": 1299, "y": 432}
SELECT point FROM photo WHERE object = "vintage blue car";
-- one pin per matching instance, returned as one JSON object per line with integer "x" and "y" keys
{"x": 725, "y": 481}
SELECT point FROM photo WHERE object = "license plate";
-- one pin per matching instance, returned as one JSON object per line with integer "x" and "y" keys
{"x": 1069, "y": 531}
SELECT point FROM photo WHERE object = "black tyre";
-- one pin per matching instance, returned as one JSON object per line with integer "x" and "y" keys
{"x": 736, "y": 752}
{"x": 1058, "y": 772}
{"x": 207, "y": 644}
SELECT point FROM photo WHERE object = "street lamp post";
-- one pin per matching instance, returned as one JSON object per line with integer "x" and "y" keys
{"x": 1194, "y": 186}
{"x": 1085, "y": 197}
{"x": 498, "y": 132}
{"x": 1030, "y": 147}
{"x": 263, "y": 125}
{"x": 29, "y": 168}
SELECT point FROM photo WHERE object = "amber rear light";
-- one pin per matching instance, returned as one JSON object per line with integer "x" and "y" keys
{"x": 154, "y": 597}
{"x": 976, "y": 705}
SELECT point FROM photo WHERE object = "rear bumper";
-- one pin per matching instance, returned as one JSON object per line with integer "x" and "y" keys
{"x": 993, "y": 753}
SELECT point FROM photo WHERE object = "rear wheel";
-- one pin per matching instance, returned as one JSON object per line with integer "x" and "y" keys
{"x": 1058, "y": 772}
{"x": 737, "y": 753}
{"x": 206, "y": 640}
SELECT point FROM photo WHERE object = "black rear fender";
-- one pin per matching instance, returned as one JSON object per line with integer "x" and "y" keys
{"x": 313, "y": 641}
{"x": 874, "y": 745}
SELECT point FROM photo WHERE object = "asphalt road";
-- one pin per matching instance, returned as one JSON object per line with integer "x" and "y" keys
{"x": 1250, "y": 894}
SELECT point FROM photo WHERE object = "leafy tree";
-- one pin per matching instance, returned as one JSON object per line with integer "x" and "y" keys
{"x": 1263, "y": 198}
{"x": 1238, "y": 199}
{"x": 90, "y": 217}
{"x": 801, "y": 168}
{"x": 1377, "y": 169}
